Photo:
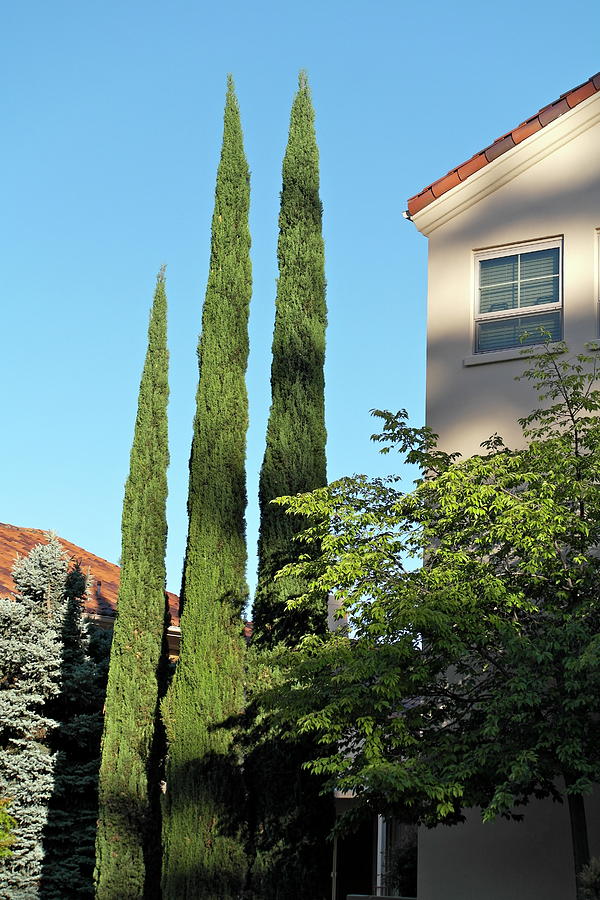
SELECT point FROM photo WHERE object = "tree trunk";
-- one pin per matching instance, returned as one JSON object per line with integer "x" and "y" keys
{"x": 579, "y": 837}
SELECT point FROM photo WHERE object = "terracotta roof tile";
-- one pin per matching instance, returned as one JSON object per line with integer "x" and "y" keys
{"x": 580, "y": 94}
{"x": 504, "y": 143}
{"x": 526, "y": 129}
{"x": 553, "y": 111}
{"x": 499, "y": 147}
{"x": 420, "y": 200}
{"x": 444, "y": 184}
{"x": 104, "y": 576}
{"x": 472, "y": 165}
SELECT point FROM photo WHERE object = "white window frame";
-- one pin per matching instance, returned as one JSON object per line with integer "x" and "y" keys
{"x": 511, "y": 250}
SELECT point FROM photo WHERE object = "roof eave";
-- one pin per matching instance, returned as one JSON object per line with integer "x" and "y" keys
{"x": 506, "y": 166}
{"x": 504, "y": 144}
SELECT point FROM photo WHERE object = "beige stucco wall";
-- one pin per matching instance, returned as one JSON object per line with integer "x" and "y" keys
{"x": 548, "y": 186}
{"x": 556, "y": 195}
{"x": 501, "y": 860}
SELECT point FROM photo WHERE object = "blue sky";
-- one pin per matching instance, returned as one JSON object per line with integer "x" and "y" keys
{"x": 111, "y": 120}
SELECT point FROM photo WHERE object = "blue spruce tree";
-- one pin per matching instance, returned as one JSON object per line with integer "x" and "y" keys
{"x": 33, "y": 674}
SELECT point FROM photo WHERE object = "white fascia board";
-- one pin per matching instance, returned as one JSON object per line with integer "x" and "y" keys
{"x": 506, "y": 167}
{"x": 109, "y": 621}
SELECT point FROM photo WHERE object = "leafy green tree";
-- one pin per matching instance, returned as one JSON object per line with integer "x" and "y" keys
{"x": 203, "y": 834}
{"x": 31, "y": 680}
{"x": 126, "y": 850}
{"x": 289, "y": 820}
{"x": 294, "y": 457}
{"x": 472, "y": 680}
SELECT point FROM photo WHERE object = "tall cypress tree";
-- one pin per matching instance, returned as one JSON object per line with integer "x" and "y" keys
{"x": 203, "y": 805}
{"x": 289, "y": 820}
{"x": 294, "y": 459}
{"x": 128, "y": 777}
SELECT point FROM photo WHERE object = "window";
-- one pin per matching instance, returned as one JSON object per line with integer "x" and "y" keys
{"x": 519, "y": 296}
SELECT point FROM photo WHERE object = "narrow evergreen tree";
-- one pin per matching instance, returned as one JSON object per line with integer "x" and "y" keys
{"x": 294, "y": 459}
{"x": 31, "y": 629}
{"x": 70, "y": 830}
{"x": 203, "y": 805}
{"x": 289, "y": 820}
{"x": 129, "y": 774}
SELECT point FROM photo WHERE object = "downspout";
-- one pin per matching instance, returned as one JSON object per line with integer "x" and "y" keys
{"x": 334, "y": 869}
{"x": 380, "y": 870}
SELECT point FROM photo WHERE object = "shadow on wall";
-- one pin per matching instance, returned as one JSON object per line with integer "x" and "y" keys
{"x": 559, "y": 195}
{"x": 530, "y": 203}
{"x": 467, "y": 404}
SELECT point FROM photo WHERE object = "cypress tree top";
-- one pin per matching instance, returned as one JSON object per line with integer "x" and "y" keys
{"x": 215, "y": 558}
{"x": 129, "y": 773}
{"x": 289, "y": 819}
{"x": 203, "y": 808}
{"x": 294, "y": 459}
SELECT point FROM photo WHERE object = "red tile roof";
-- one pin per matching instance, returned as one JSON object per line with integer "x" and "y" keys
{"x": 104, "y": 576}
{"x": 504, "y": 143}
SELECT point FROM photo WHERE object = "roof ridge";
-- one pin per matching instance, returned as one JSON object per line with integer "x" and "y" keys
{"x": 102, "y": 600}
{"x": 505, "y": 142}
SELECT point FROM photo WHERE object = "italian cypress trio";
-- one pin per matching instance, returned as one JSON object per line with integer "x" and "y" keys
{"x": 203, "y": 812}
{"x": 289, "y": 820}
{"x": 128, "y": 774}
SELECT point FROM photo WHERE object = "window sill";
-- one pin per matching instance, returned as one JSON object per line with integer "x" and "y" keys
{"x": 481, "y": 359}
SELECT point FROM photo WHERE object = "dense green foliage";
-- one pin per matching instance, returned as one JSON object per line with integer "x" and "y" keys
{"x": 126, "y": 850}
{"x": 294, "y": 457}
{"x": 203, "y": 830}
{"x": 472, "y": 681}
{"x": 7, "y": 824}
{"x": 590, "y": 880}
{"x": 50, "y": 701}
{"x": 289, "y": 820}
{"x": 30, "y": 666}
{"x": 70, "y": 830}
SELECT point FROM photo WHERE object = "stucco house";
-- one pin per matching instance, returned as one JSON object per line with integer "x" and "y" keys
{"x": 514, "y": 241}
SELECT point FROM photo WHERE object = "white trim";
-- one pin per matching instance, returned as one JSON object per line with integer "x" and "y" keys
{"x": 494, "y": 356}
{"x": 597, "y": 278}
{"x": 519, "y": 247}
{"x": 99, "y": 619}
{"x": 507, "y": 166}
